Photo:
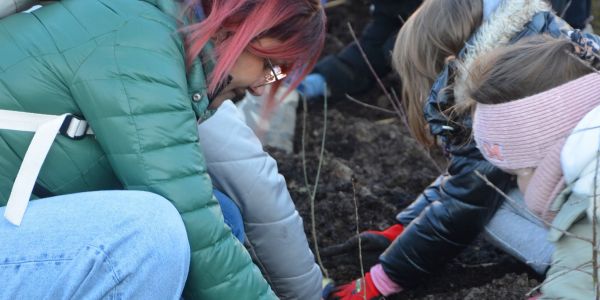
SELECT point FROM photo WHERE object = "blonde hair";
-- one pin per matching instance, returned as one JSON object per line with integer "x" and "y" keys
{"x": 437, "y": 30}
{"x": 528, "y": 67}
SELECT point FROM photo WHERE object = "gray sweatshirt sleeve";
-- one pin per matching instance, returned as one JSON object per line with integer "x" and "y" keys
{"x": 275, "y": 235}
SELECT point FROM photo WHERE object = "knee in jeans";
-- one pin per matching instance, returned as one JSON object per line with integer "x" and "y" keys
{"x": 160, "y": 227}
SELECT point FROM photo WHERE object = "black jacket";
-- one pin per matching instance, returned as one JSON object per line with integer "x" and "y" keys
{"x": 451, "y": 212}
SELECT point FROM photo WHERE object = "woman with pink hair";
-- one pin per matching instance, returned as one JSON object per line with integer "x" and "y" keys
{"x": 113, "y": 92}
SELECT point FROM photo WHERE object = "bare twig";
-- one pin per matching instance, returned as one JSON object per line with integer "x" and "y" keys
{"x": 584, "y": 62}
{"x": 370, "y": 106}
{"x": 566, "y": 233}
{"x": 579, "y": 268}
{"x": 564, "y": 11}
{"x": 594, "y": 230}
{"x": 393, "y": 98}
{"x": 313, "y": 194}
{"x": 364, "y": 56}
{"x": 387, "y": 121}
{"x": 482, "y": 265}
{"x": 401, "y": 19}
{"x": 360, "y": 258}
{"x": 303, "y": 152}
{"x": 334, "y": 3}
{"x": 400, "y": 109}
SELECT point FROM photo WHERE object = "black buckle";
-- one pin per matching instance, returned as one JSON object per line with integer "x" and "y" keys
{"x": 75, "y": 133}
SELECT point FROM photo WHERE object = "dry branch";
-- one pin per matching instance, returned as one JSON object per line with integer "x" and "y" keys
{"x": 334, "y": 3}
{"x": 360, "y": 257}
{"x": 393, "y": 98}
{"x": 578, "y": 268}
{"x": 312, "y": 194}
{"x": 377, "y": 108}
{"x": 594, "y": 230}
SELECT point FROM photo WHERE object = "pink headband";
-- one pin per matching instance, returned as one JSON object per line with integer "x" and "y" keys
{"x": 519, "y": 134}
{"x": 531, "y": 132}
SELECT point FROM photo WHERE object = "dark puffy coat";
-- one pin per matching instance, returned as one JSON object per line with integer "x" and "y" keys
{"x": 454, "y": 209}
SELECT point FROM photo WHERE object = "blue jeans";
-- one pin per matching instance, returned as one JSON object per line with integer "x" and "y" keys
{"x": 231, "y": 214}
{"x": 521, "y": 235}
{"x": 96, "y": 245}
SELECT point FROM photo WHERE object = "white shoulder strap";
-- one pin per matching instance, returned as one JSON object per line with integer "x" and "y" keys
{"x": 46, "y": 127}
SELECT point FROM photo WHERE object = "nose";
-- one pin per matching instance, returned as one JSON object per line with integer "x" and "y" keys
{"x": 257, "y": 91}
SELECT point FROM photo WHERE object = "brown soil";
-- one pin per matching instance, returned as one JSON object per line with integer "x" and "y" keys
{"x": 389, "y": 170}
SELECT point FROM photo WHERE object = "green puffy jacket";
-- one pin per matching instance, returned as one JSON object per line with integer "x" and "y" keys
{"x": 120, "y": 64}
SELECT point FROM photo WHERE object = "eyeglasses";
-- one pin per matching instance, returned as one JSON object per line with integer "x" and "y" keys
{"x": 274, "y": 73}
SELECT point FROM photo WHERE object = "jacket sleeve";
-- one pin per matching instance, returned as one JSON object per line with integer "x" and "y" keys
{"x": 133, "y": 91}
{"x": 463, "y": 204}
{"x": 428, "y": 196}
{"x": 274, "y": 230}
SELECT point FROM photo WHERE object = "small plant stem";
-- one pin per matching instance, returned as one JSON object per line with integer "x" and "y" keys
{"x": 313, "y": 194}
{"x": 377, "y": 108}
{"x": 334, "y": 3}
{"x": 393, "y": 98}
{"x": 364, "y": 56}
{"x": 360, "y": 258}
{"x": 594, "y": 230}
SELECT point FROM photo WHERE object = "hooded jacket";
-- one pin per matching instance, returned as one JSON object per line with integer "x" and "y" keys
{"x": 120, "y": 64}
{"x": 451, "y": 212}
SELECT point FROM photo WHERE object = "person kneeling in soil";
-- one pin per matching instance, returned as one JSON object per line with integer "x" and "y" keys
{"x": 141, "y": 75}
{"x": 458, "y": 206}
{"x": 538, "y": 117}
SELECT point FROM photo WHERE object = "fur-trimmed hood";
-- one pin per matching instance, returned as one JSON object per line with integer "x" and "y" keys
{"x": 510, "y": 21}
{"x": 504, "y": 24}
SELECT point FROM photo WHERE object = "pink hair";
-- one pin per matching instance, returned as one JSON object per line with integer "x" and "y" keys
{"x": 235, "y": 24}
